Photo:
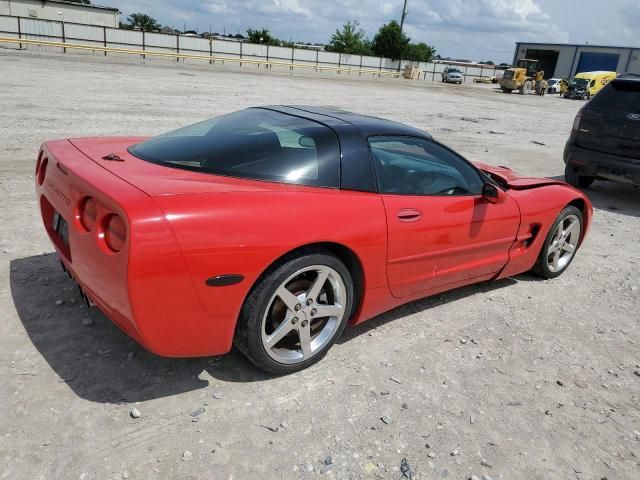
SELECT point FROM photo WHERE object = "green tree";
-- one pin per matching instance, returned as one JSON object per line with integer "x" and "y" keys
{"x": 143, "y": 22}
{"x": 351, "y": 39}
{"x": 260, "y": 36}
{"x": 390, "y": 41}
{"x": 419, "y": 52}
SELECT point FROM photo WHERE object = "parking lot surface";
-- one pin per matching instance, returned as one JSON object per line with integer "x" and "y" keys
{"x": 518, "y": 379}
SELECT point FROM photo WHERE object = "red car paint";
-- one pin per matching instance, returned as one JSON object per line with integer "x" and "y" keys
{"x": 184, "y": 227}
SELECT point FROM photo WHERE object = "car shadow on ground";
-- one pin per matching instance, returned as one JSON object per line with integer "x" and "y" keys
{"x": 100, "y": 363}
{"x": 614, "y": 197}
{"x": 427, "y": 303}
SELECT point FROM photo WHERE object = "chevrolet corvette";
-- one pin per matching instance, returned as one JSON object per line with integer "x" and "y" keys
{"x": 272, "y": 228}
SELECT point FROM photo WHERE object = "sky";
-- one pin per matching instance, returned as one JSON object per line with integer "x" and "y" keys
{"x": 471, "y": 29}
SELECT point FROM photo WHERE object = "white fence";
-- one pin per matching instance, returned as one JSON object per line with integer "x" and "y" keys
{"x": 106, "y": 37}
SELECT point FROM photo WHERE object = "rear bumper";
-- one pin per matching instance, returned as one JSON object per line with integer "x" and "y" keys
{"x": 145, "y": 289}
{"x": 602, "y": 165}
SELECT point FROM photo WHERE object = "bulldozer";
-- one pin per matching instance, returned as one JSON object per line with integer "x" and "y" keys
{"x": 522, "y": 77}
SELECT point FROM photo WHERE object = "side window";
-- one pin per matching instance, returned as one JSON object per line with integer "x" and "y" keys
{"x": 414, "y": 166}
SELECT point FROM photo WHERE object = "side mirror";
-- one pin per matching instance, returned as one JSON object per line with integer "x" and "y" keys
{"x": 491, "y": 193}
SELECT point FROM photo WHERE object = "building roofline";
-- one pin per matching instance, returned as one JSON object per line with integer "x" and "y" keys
{"x": 75, "y": 4}
{"x": 577, "y": 45}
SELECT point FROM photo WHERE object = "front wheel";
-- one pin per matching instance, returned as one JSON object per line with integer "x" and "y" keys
{"x": 525, "y": 89}
{"x": 561, "y": 244}
{"x": 295, "y": 313}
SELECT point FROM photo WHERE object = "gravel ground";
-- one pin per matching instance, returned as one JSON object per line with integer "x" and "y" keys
{"x": 519, "y": 379}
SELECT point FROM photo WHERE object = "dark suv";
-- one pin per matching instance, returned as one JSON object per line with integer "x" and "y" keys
{"x": 605, "y": 139}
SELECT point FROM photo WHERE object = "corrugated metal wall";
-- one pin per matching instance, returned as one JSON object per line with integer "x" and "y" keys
{"x": 63, "y": 12}
{"x": 91, "y": 35}
{"x": 9, "y": 25}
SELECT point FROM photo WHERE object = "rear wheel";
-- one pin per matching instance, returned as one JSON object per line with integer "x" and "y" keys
{"x": 295, "y": 313}
{"x": 561, "y": 244}
{"x": 573, "y": 178}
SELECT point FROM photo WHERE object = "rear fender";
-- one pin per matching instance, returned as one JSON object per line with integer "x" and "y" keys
{"x": 244, "y": 232}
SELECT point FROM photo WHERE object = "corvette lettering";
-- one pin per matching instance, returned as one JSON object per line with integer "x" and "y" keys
{"x": 54, "y": 189}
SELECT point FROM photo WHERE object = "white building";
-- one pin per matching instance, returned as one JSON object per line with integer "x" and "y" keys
{"x": 60, "y": 10}
{"x": 565, "y": 60}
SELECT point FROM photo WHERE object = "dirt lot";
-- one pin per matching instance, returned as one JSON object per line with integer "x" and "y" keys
{"x": 520, "y": 379}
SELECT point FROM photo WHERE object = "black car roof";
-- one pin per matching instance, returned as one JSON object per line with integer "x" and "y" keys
{"x": 369, "y": 126}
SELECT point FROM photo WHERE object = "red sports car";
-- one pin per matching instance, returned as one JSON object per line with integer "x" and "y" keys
{"x": 272, "y": 228}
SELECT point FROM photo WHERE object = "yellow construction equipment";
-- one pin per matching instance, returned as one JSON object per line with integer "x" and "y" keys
{"x": 522, "y": 77}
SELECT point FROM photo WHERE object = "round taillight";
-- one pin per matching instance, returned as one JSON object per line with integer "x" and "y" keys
{"x": 115, "y": 233}
{"x": 88, "y": 213}
{"x": 42, "y": 170}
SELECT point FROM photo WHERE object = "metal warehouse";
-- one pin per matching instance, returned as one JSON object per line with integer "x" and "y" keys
{"x": 560, "y": 60}
{"x": 62, "y": 11}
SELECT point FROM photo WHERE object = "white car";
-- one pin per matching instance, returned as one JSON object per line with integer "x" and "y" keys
{"x": 452, "y": 75}
{"x": 554, "y": 85}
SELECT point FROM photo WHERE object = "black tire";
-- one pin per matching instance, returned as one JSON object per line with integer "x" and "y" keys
{"x": 541, "y": 267}
{"x": 574, "y": 179}
{"x": 248, "y": 336}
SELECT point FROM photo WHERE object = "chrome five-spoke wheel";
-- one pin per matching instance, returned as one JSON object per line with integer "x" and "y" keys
{"x": 303, "y": 314}
{"x": 295, "y": 312}
{"x": 564, "y": 243}
{"x": 561, "y": 243}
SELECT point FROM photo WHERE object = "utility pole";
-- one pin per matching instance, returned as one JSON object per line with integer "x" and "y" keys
{"x": 404, "y": 14}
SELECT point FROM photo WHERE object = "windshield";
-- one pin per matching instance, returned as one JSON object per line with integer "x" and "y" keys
{"x": 581, "y": 82}
{"x": 552, "y": 82}
{"x": 255, "y": 143}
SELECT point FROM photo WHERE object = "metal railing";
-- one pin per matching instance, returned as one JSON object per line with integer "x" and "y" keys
{"x": 76, "y": 37}
{"x": 268, "y": 63}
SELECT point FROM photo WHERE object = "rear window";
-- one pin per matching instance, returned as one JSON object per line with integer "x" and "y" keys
{"x": 256, "y": 144}
{"x": 619, "y": 95}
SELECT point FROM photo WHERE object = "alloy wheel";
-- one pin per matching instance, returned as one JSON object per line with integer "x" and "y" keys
{"x": 564, "y": 243}
{"x": 304, "y": 314}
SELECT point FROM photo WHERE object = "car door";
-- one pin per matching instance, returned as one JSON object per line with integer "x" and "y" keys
{"x": 442, "y": 232}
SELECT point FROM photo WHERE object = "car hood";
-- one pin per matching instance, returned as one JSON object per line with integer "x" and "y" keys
{"x": 514, "y": 180}
{"x": 157, "y": 180}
